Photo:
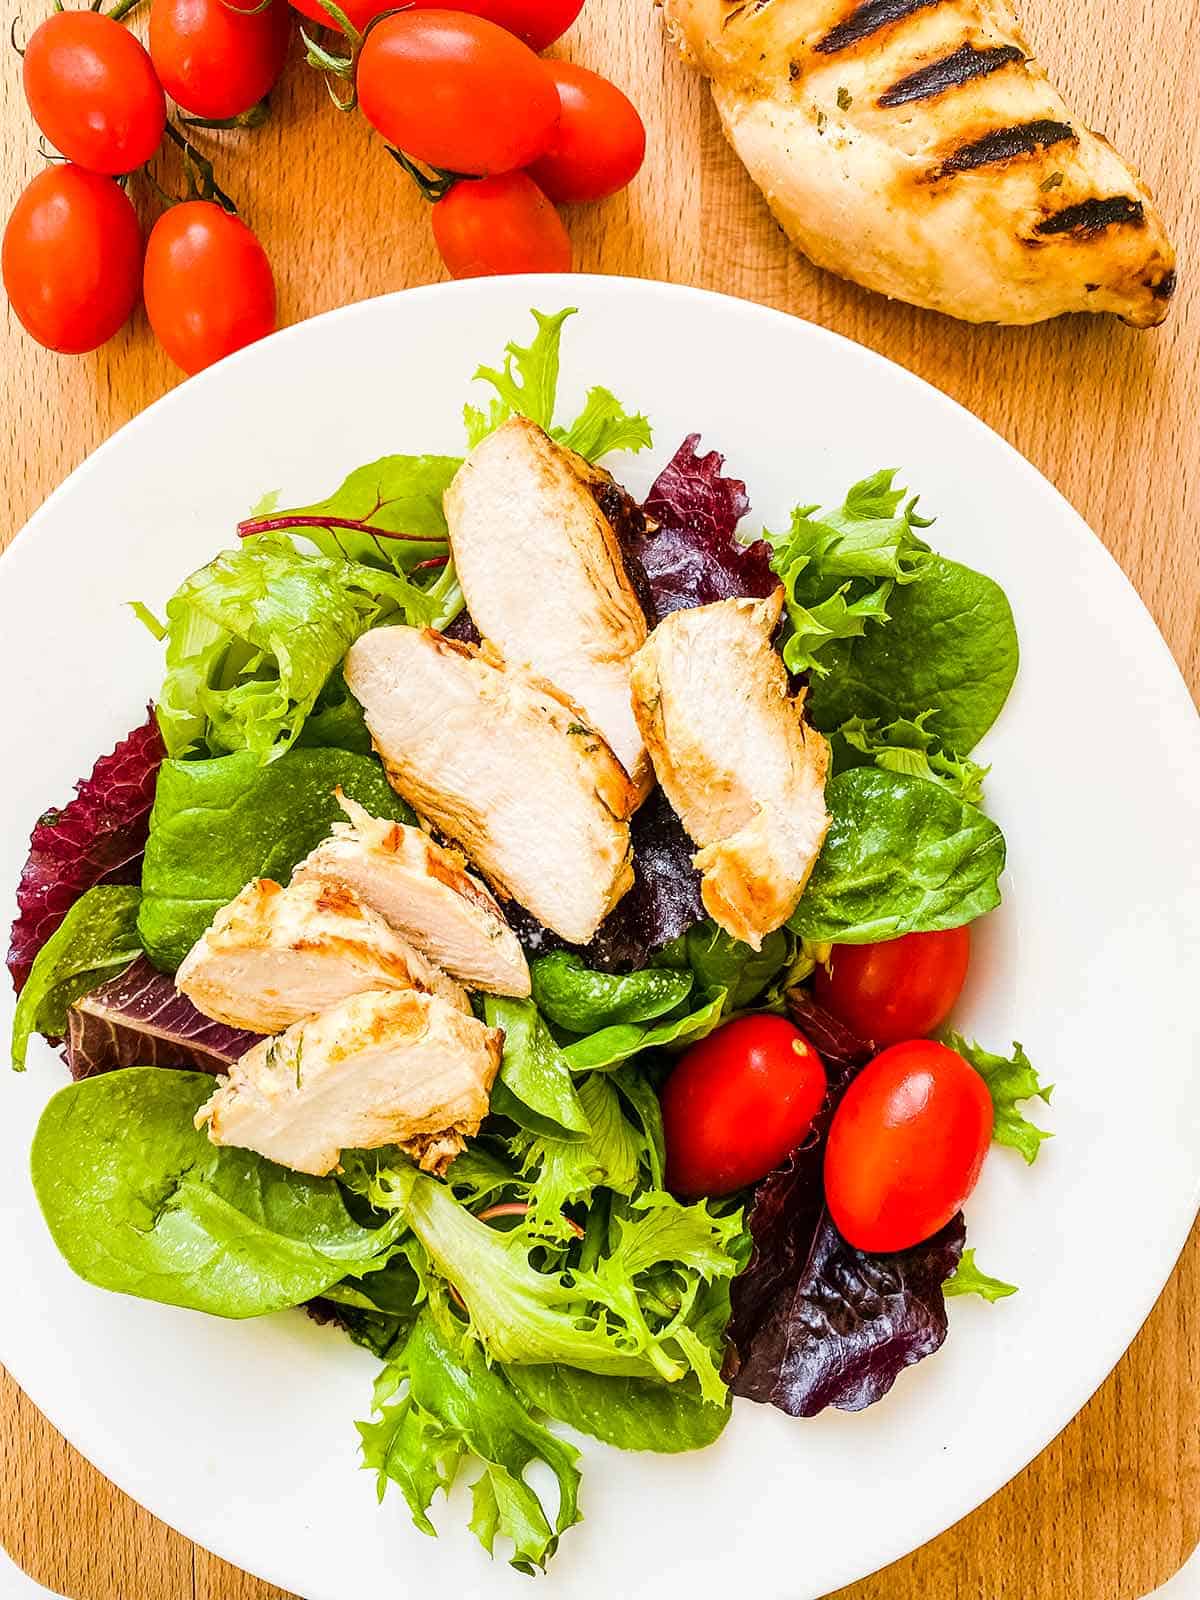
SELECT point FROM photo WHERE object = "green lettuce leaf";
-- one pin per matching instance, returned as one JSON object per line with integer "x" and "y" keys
{"x": 838, "y": 567}
{"x": 534, "y": 1087}
{"x": 97, "y": 937}
{"x": 902, "y": 856}
{"x": 629, "y": 1413}
{"x": 721, "y": 962}
{"x": 581, "y": 1000}
{"x": 598, "y": 1052}
{"x": 140, "y": 1201}
{"x": 950, "y": 645}
{"x": 217, "y": 824}
{"x": 1010, "y": 1079}
{"x": 561, "y": 1171}
{"x": 967, "y": 1279}
{"x": 908, "y": 746}
{"x": 440, "y": 1403}
{"x": 527, "y": 385}
{"x": 253, "y": 637}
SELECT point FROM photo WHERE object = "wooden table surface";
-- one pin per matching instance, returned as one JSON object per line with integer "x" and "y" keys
{"x": 1113, "y": 1506}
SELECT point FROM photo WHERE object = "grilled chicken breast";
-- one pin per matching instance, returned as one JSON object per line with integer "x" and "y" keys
{"x": 389, "y": 1067}
{"x": 917, "y": 147}
{"x": 541, "y": 569}
{"x": 735, "y": 759}
{"x": 274, "y": 956}
{"x": 505, "y": 767}
{"x": 425, "y": 893}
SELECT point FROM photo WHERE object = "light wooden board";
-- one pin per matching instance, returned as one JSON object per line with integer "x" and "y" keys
{"x": 1113, "y": 1506}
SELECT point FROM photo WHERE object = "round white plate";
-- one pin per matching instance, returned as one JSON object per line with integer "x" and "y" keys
{"x": 241, "y": 1435}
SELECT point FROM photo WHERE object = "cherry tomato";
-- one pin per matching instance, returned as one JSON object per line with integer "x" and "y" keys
{"x": 207, "y": 284}
{"x": 599, "y": 143}
{"x": 906, "y": 1145}
{"x": 72, "y": 259}
{"x": 737, "y": 1103}
{"x": 456, "y": 91}
{"x": 214, "y": 62}
{"x": 359, "y": 12}
{"x": 896, "y": 990}
{"x": 486, "y": 226}
{"x": 93, "y": 93}
{"x": 538, "y": 22}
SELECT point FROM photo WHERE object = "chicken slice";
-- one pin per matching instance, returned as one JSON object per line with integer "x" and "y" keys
{"x": 541, "y": 567}
{"x": 735, "y": 758}
{"x": 388, "y": 1067}
{"x": 505, "y": 767}
{"x": 425, "y": 893}
{"x": 274, "y": 956}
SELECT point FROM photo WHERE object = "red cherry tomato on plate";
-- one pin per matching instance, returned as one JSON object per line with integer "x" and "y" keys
{"x": 456, "y": 91}
{"x": 906, "y": 1145}
{"x": 208, "y": 284}
{"x": 599, "y": 143}
{"x": 486, "y": 226}
{"x": 737, "y": 1103}
{"x": 896, "y": 990}
{"x": 72, "y": 259}
{"x": 93, "y": 93}
{"x": 217, "y": 58}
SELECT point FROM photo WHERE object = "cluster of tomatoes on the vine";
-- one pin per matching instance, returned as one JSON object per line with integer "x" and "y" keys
{"x": 492, "y": 133}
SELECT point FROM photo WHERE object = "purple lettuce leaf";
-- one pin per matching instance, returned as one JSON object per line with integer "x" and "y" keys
{"x": 139, "y": 1019}
{"x": 694, "y": 557}
{"x": 98, "y": 837}
{"x": 816, "y": 1322}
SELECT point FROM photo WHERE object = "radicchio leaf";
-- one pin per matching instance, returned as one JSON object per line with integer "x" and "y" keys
{"x": 98, "y": 837}
{"x": 694, "y": 557}
{"x": 139, "y": 1019}
{"x": 816, "y": 1322}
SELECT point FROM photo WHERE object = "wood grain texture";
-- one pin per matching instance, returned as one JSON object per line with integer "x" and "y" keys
{"x": 1113, "y": 1506}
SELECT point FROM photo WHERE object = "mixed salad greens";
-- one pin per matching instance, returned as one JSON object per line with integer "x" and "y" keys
{"x": 553, "y": 1275}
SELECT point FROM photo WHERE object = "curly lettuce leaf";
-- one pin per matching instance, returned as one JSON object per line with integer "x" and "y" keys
{"x": 1010, "y": 1080}
{"x": 901, "y": 856}
{"x": 838, "y": 567}
{"x": 628, "y": 1413}
{"x": 97, "y": 936}
{"x": 527, "y": 385}
{"x": 560, "y": 1172}
{"x": 907, "y": 745}
{"x": 254, "y": 636}
{"x": 439, "y": 1403}
{"x": 97, "y": 837}
{"x": 968, "y": 1279}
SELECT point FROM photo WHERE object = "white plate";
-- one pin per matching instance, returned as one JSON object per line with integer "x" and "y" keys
{"x": 241, "y": 1435}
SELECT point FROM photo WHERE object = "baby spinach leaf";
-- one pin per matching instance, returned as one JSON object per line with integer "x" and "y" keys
{"x": 968, "y": 1279}
{"x": 439, "y": 1402}
{"x": 253, "y": 637}
{"x": 138, "y": 1201}
{"x": 534, "y": 1086}
{"x": 216, "y": 824}
{"x": 581, "y": 1000}
{"x": 629, "y": 1413}
{"x": 597, "y": 1052}
{"x": 950, "y": 645}
{"x": 902, "y": 856}
{"x": 1009, "y": 1080}
{"x": 722, "y": 962}
{"x": 395, "y": 495}
{"x": 97, "y": 936}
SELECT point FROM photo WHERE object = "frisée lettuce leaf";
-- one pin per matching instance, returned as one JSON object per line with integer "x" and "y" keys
{"x": 968, "y": 1279}
{"x": 1010, "y": 1079}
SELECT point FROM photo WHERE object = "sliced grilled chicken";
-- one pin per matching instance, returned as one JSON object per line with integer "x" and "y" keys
{"x": 541, "y": 569}
{"x": 505, "y": 767}
{"x": 917, "y": 147}
{"x": 389, "y": 1067}
{"x": 735, "y": 759}
{"x": 425, "y": 893}
{"x": 274, "y": 956}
